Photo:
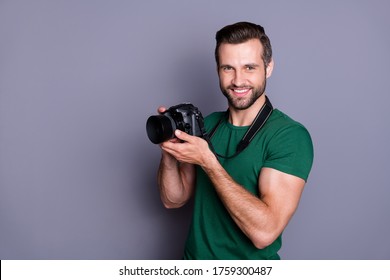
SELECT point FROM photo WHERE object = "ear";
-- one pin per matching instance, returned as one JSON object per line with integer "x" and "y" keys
{"x": 269, "y": 68}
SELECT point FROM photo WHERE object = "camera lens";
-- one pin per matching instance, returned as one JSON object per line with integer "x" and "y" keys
{"x": 160, "y": 128}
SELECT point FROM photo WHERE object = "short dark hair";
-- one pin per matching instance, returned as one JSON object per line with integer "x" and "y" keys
{"x": 241, "y": 32}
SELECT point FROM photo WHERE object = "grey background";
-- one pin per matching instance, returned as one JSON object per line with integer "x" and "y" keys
{"x": 78, "y": 80}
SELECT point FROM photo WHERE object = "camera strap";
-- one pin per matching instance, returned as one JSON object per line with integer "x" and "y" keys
{"x": 261, "y": 118}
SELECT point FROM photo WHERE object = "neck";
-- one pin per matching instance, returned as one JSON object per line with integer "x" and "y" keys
{"x": 246, "y": 117}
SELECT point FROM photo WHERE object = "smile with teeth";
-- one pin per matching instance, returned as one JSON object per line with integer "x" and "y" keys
{"x": 241, "y": 91}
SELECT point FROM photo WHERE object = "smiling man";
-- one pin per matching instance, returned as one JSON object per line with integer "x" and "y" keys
{"x": 249, "y": 176}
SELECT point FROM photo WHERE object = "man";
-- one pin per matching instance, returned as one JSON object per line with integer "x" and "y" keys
{"x": 243, "y": 201}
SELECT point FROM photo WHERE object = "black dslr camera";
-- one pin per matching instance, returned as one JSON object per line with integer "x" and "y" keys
{"x": 185, "y": 117}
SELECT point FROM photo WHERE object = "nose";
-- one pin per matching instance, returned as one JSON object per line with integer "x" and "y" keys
{"x": 238, "y": 79}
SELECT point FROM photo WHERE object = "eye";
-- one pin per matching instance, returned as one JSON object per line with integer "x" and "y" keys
{"x": 250, "y": 67}
{"x": 226, "y": 68}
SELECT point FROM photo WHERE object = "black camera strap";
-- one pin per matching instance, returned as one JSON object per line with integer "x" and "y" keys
{"x": 261, "y": 118}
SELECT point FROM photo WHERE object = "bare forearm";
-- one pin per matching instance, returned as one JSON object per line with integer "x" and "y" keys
{"x": 249, "y": 212}
{"x": 175, "y": 181}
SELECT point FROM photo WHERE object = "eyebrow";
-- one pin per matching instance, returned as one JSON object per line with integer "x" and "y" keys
{"x": 245, "y": 65}
{"x": 225, "y": 65}
{"x": 252, "y": 65}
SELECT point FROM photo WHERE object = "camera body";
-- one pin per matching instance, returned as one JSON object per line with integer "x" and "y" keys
{"x": 185, "y": 117}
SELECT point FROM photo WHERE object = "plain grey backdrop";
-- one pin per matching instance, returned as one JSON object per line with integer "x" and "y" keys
{"x": 78, "y": 79}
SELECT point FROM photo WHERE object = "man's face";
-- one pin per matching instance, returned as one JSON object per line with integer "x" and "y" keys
{"x": 242, "y": 74}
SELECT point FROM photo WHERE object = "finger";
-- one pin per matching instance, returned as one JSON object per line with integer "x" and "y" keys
{"x": 161, "y": 109}
{"x": 170, "y": 148}
{"x": 182, "y": 135}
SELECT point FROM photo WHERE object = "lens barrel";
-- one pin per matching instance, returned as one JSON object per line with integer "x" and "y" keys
{"x": 160, "y": 128}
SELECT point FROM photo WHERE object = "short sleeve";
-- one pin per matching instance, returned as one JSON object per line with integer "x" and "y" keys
{"x": 290, "y": 150}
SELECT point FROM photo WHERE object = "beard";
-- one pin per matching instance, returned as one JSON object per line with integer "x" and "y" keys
{"x": 242, "y": 103}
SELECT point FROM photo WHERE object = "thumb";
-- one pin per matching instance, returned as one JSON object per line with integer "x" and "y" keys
{"x": 182, "y": 135}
